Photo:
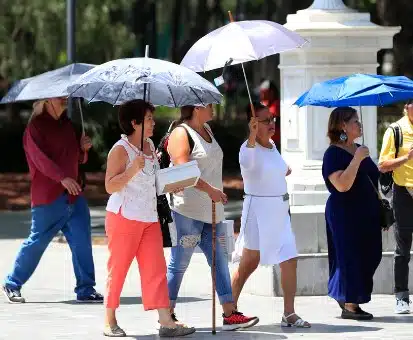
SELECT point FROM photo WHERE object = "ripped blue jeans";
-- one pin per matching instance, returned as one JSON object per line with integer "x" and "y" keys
{"x": 192, "y": 233}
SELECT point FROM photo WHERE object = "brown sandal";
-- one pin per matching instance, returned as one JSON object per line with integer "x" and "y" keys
{"x": 165, "y": 332}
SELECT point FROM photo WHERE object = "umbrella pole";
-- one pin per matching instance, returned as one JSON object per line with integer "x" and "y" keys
{"x": 143, "y": 120}
{"x": 213, "y": 267}
{"x": 248, "y": 90}
{"x": 81, "y": 116}
{"x": 362, "y": 125}
{"x": 231, "y": 18}
{"x": 144, "y": 99}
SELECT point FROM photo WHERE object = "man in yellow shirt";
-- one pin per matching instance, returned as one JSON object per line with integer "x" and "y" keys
{"x": 400, "y": 162}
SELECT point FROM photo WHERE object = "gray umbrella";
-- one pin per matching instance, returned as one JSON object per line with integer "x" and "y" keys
{"x": 52, "y": 84}
{"x": 157, "y": 81}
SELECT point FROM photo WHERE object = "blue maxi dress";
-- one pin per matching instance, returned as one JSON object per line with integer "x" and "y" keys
{"x": 353, "y": 229}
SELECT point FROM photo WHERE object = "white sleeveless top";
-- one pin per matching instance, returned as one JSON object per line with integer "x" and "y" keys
{"x": 194, "y": 203}
{"x": 138, "y": 198}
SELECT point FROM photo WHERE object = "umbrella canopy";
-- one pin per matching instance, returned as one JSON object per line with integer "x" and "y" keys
{"x": 240, "y": 41}
{"x": 157, "y": 81}
{"x": 358, "y": 90}
{"x": 50, "y": 84}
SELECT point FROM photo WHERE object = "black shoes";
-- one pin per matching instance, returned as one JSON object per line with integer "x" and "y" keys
{"x": 358, "y": 314}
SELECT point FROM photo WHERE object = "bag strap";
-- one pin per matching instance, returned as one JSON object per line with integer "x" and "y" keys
{"x": 398, "y": 137}
{"x": 374, "y": 187}
{"x": 190, "y": 139}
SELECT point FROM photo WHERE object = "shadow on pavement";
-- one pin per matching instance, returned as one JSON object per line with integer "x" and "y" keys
{"x": 393, "y": 319}
{"x": 125, "y": 300}
{"x": 318, "y": 328}
{"x": 206, "y": 334}
{"x": 277, "y": 332}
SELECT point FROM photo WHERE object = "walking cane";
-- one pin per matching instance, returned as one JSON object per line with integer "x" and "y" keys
{"x": 213, "y": 266}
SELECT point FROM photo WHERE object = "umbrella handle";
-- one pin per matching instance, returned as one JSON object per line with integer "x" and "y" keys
{"x": 213, "y": 267}
{"x": 231, "y": 18}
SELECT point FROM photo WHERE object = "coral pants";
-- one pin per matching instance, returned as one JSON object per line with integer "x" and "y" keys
{"x": 128, "y": 239}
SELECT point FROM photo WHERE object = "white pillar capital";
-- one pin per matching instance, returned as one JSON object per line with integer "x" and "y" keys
{"x": 329, "y": 5}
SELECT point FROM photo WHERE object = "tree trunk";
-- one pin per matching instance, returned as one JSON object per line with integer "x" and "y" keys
{"x": 154, "y": 30}
{"x": 175, "y": 20}
{"x": 199, "y": 29}
{"x": 391, "y": 13}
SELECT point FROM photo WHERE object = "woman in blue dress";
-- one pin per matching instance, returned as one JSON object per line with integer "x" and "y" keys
{"x": 352, "y": 215}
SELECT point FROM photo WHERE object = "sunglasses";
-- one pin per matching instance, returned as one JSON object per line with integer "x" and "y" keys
{"x": 268, "y": 121}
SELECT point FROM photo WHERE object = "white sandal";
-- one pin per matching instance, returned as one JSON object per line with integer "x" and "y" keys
{"x": 299, "y": 323}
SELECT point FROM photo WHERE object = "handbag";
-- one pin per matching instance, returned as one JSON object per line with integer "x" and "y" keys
{"x": 165, "y": 217}
{"x": 386, "y": 215}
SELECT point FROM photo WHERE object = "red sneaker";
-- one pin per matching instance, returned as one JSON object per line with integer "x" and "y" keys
{"x": 238, "y": 320}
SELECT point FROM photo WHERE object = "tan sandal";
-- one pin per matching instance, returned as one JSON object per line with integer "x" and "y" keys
{"x": 299, "y": 323}
{"x": 114, "y": 331}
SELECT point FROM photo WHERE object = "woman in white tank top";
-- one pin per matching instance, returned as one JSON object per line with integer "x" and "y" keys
{"x": 192, "y": 210}
{"x": 132, "y": 225}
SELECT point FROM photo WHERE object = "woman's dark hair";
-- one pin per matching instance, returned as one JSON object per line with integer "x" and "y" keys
{"x": 338, "y": 117}
{"x": 133, "y": 110}
{"x": 257, "y": 107}
{"x": 186, "y": 114}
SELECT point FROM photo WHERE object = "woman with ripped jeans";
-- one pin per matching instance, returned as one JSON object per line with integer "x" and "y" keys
{"x": 192, "y": 139}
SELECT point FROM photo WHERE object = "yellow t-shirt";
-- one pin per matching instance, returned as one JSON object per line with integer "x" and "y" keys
{"x": 403, "y": 175}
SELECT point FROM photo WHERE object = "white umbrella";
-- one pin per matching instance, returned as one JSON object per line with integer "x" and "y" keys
{"x": 239, "y": 42}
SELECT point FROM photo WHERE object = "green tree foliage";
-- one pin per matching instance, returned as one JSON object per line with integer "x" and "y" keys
{"x": 33, "y": 34}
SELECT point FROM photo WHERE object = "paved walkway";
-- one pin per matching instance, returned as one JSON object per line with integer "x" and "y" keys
{"x": 51, "y": 313}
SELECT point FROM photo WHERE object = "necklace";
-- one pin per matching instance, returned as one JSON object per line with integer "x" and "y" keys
{"x": 150, "y": 164}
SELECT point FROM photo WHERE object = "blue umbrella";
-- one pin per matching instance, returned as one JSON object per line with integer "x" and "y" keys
{"x": 358, "y": 90}
{"x": 157, "y": 81}
{"x": 50, "y": 84}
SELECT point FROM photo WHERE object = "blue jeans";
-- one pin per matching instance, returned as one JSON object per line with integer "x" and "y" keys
{"x": 191, "y": 233}
{"x": 47, "y": 220}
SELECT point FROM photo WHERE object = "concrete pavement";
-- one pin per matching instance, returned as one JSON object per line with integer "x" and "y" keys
{"x": 51, "y": 313}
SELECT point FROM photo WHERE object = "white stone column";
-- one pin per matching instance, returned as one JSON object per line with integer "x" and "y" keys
{"x": 342, "y": 41}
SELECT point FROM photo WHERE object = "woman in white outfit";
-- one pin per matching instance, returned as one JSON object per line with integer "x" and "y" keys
{"x": 266, "y": 236}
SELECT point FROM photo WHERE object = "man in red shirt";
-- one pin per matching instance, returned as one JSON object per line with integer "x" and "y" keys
{"x": 54, "y": 153}
{"x": 269, "y": 97}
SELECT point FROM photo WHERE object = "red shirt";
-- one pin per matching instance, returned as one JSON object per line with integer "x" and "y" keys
{"x": 53, "y": 153}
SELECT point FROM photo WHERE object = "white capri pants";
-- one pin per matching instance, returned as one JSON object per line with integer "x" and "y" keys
{"x": 266, "y": 226}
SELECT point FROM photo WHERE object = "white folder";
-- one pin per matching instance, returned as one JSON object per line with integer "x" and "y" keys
{"x": 176, "y": 177}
